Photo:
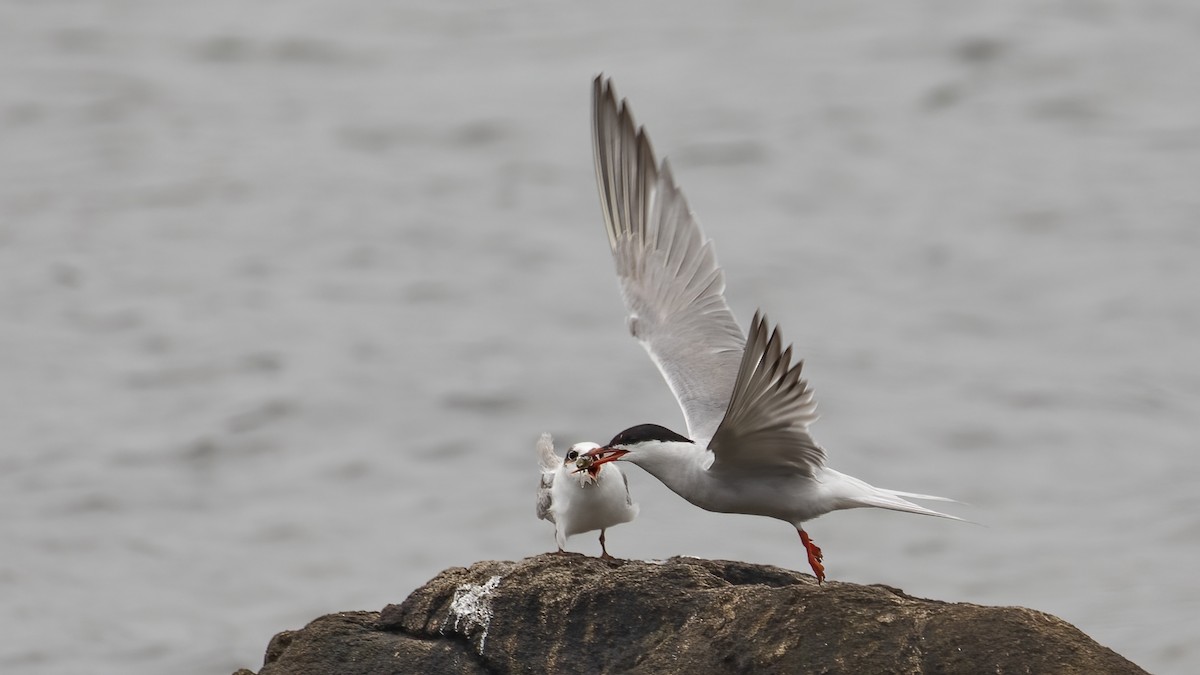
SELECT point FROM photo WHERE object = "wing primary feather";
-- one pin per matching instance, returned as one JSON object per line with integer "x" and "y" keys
{"x": 600, "y": 154}
{"x": 766, "y": 426}
{"x": 668, "y": 271}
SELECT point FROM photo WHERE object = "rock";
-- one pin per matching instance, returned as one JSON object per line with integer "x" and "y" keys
{"x": 574, "y": 614}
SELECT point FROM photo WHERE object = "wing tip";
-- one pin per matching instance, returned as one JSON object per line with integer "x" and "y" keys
{"x": 627, "y": 172}
{"x": 767, "y": 371}
{"x": 545, "y": 449}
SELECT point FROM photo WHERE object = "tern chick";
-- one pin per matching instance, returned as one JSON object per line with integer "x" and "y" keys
{"x": 579, "y": 495}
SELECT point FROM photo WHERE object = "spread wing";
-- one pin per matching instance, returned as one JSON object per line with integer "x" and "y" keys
{"x": 549, "y": 462}
{"x": 766, "y": 426}
{"x": 667, "y": 268}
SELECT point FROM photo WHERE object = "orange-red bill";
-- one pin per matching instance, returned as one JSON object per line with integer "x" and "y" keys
{"x": 605, "y": 455}
{"x": 591, "y": 460}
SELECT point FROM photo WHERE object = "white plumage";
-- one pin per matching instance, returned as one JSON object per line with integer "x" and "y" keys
{"x": 746, "y": 406}
{"x": 575, "y": 500}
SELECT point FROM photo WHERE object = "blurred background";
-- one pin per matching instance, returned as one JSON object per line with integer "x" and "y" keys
{"x": 288, "y": 291}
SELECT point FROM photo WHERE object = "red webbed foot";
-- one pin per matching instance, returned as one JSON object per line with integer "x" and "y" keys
{"x": 814, "y": 556}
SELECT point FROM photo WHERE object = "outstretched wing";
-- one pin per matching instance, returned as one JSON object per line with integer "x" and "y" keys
{"x": 549, "y": 462}
{"x": 766, "y": 426}
{"x": 667, "y": 268}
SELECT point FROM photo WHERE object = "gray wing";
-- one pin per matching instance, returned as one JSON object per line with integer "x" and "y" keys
{"x": 549, "y": 463}
{"x": 766, "y": 426}
{"x": 544, "y": 500}
{"x": 667, "y": 268}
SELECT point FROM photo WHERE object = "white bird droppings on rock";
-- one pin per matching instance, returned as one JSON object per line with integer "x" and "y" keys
{"x": 472, "y": 607}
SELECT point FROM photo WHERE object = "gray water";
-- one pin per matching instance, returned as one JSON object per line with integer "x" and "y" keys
{"x": 289, "y": 290}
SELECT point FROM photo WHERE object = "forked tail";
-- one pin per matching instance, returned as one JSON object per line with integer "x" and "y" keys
{"x": 857, "y": 492}
{"x": 895, "y": 500}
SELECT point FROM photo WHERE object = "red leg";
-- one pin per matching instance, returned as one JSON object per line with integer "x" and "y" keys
{"x": 814, "y": 555}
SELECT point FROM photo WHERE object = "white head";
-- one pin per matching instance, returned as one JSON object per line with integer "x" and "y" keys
{"x": 580, "y": 465}
{"x": 577, "y": 450}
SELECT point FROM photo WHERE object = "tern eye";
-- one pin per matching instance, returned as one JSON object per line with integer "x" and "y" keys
{"x": 572, "y": 456}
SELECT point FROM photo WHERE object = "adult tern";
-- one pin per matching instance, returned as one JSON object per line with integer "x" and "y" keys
{"x": 579, "y": 497}
{"x": 746, "y": 406}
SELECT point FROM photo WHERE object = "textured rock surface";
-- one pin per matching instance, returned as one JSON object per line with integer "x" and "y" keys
{"x": 574, "y": 614}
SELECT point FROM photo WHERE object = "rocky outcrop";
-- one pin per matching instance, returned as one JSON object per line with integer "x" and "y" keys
{"x": 574, "y": 614}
